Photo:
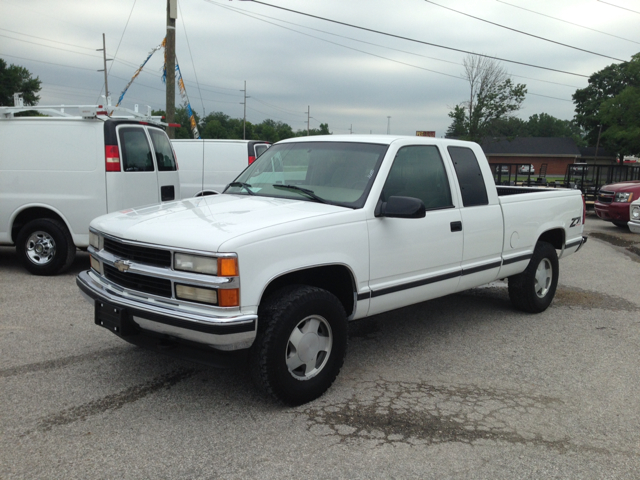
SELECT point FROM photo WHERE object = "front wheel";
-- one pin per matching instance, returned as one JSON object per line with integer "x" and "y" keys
{"x": 301, "y": 343}
{"x": 533, "y": 290}
{"x": 45, "y": 247}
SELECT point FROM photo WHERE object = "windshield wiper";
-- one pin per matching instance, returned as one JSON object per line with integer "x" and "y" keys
{"x": 306, "y": 191}
{"x": 246, "y": 186}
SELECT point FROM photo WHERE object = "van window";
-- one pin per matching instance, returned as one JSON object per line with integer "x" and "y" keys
{"x": 418, "y": 172}
{"x": 164, "y": 152}
{"x": 472, "y": 186}
{"x": 136, "y": 154}
{"x": 260, "y": 148}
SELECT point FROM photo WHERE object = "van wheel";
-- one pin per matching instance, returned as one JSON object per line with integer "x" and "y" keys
{"x": 533, "y": 290}
{"x": 301, "y": 344}
{"x": 45, "y": 247}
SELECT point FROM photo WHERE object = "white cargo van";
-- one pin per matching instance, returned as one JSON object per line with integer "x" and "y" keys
{"x": 208, "y": 166}
{"x": 58, "y": 173}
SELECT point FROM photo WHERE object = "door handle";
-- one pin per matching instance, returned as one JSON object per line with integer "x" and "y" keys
{"x": 456, "y": 226}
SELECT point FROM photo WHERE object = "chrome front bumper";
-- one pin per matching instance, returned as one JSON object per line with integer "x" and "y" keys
{"x": 220, "y": 332}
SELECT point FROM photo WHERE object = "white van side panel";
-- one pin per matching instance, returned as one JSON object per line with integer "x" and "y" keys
{"x": 189, "y": 155}
{"x": 56, "y": 164}
{"x": 223, "y": 161}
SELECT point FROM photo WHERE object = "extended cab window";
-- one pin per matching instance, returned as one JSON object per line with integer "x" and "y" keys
{"x": 418, "y": 172}
{"x": 472, "y": 186}
{"x": 136, "y": 153}
{"x": 164, "y": 152}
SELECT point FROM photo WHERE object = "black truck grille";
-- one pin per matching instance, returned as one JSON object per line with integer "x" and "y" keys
{"x": 146, "y": 255}
{"x": 140, "y": 283}
{"x": 605, "y": 197}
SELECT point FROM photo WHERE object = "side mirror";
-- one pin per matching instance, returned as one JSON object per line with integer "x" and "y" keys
{"x": 401, "y": 207}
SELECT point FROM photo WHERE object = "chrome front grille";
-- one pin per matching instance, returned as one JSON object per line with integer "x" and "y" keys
{"x": 139, "y": 283}
{"x": 136, "y": 253}
{"x": 605, "y": 196}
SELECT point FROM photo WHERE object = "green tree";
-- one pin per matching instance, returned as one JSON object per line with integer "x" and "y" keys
{"x": 16, "y": 79}
{"x": 608, "y": 105}
{"x": 545, "y": 125}
{"x": 459, "y": 127}
{"x": 492, "y": 97}
{"x": 181, "y": 118}
{"x": 322, "y": 130}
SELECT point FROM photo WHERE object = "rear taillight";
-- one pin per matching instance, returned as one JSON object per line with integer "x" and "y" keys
{"x": 112, "y": 158}
{"x": 251, "y": 159}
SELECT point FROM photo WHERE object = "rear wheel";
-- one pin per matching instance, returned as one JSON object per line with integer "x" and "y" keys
{"x": 45, "y": 247}
{"x": 301, "y": 344}
{"x": 533, "y": 290}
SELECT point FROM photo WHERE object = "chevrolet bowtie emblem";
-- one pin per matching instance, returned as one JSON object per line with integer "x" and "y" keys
{"x": 122, "y": 265}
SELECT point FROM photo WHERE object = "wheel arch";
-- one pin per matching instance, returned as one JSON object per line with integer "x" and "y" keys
{"x": 336, "y": 279}
{"x": 33, "y": 213}
{"x": 555, "y": 237}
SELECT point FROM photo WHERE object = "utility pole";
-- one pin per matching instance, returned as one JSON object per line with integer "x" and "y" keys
{"x": 595, "y": 160}
{"x": 105, "y": 60}
{"x": 244, "y": 122}
{"x": 308, "y": 112}
{"x": 170, "y": 58}
{"x": 388, "y": 125}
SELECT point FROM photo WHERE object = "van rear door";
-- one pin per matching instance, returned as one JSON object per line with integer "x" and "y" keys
{"x": 147, "y": 172}
{"x": 168, "y": 179}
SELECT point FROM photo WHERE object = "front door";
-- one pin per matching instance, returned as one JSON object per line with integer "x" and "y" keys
{"x": 416, "y": 259}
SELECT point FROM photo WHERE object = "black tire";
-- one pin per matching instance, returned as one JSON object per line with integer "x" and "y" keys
{"x": 621, "y": 224}
{"x": 45, "y": 247}
{"x": 299, "y": 315}
{"x": 533, "y": 290}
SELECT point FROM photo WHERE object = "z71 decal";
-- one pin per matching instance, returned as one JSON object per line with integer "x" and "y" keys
{"x": 575, "y": 221}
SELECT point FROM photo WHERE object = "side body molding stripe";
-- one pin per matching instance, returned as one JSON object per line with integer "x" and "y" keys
{"x": 438, "y": 278}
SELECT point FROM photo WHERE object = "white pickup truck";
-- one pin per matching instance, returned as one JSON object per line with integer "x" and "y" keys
{"x": 317, "y": 232}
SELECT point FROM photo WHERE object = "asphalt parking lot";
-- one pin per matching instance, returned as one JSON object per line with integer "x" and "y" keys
{"x": 463, "y": 387}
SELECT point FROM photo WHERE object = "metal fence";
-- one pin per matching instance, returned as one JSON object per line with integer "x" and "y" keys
{"x": 588, "y": 178}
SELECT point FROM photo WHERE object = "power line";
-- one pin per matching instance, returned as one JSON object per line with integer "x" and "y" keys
{"x": 416, "y": 41}
{"x": 193, "y": 64}
{"x": 570, "y": 23}
{"x": 260, "y": 18}
{"x": 115, "y": 55}
{"x": 46, "y": 39}
{"x": 48, "y": 63}
{"x": 343, "y": 46}
{"x": 48, "y": 46}
{"x": 618, "y": 6}
{"x": 523, "y": 33}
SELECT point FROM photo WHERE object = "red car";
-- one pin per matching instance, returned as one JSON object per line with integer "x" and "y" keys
{"x": 613, "y": 201}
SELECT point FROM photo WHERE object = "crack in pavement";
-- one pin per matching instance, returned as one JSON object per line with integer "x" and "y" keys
{"x": 421, "y": 414}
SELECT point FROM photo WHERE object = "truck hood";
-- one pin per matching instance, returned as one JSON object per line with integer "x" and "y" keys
{"x": 629, "y": 186}
{"x": 205, "y": 223}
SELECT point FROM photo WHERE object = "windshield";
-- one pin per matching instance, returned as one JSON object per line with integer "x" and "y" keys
{"x": 339, "y": 173}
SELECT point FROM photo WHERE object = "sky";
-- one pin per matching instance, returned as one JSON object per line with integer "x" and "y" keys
{"x": 400, "y": 72}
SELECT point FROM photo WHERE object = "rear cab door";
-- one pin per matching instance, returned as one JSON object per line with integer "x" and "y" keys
{"x": 481, "y": 215}
{"x": 141, "y": 167}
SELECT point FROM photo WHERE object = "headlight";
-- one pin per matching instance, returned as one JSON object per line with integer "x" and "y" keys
{"x": 623, "y": 197}
{"x": 195, "y": 263}
{"x": 96, "y": 240}
{"x": 635, "y": 212}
